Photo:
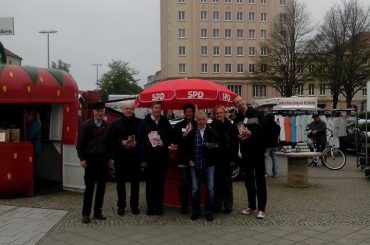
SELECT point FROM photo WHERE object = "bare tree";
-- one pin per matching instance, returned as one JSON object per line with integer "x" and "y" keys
{"x": 340, "y": 50}
{"x": 61, "y": 65}
{"x": 283, "y": 68}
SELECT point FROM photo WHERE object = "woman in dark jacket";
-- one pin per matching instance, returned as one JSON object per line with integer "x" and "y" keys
{"x": 223, "y": 165}
{"x": 155, "y": 137}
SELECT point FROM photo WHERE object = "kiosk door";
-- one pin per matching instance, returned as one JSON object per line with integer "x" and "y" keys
{"x": 72, "y": 172}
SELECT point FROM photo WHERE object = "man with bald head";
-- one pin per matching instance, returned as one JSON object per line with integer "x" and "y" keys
{"x": 125, "y": 133}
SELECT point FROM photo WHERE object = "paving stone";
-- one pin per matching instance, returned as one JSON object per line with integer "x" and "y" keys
{"x": 314, "y": 241}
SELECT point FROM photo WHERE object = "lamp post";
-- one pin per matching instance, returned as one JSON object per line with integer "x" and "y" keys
{"x": 97, "y": 75}
{"x": 47, "y": 33}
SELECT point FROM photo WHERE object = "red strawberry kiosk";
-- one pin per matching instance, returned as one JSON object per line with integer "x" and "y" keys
{"x": 53, "y": 94}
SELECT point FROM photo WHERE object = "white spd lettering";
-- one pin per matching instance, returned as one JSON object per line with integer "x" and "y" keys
{"x": 157, "y": 96}
{"x": 195, "y": 95}
{"x": 226, "y": 97}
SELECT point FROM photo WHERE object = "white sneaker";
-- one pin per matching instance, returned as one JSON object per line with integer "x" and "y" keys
{"x": 247, "y": 211}
{"x": 261, "y": 215}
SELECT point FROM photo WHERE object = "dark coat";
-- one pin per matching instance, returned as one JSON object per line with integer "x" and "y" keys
{"x": 180, "y": 141}
{"x": 210, "y": 155}
{"x": 254, "y": 121}
{"x": 121, "y": 129}
{"x": 272, "y": 132}
{"x": 229, "y": 141}
{"x": 94, "y": 142}
{"x": 164, "y": 129}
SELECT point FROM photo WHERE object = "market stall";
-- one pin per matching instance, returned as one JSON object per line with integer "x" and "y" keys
{"x": 53, "y": 94}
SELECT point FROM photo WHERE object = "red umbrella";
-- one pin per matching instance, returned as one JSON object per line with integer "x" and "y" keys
{"x": 175, "y": 93}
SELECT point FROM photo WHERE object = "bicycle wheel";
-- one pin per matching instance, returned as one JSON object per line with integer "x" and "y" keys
{"x": 333, "y": 158}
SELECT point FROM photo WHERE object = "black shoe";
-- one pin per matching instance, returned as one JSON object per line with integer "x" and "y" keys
{"x": 99, "y": 217}
{"x": 150, "y": 212}
{"x": 209, "y": 217}
{"x": 135, "y": 211}
{"x": 86, "y": 219}
{"x": 194, "y": 216}
{"x": 184, "y": 211}
{"x": 227, "y": 210}
{"x": 121, "y": 211}
{"x": 216, "y": 209}
{"x": 159, "y": 212}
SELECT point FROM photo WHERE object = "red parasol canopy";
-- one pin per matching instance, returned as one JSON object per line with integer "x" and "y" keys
{"x": 175, "y": 93}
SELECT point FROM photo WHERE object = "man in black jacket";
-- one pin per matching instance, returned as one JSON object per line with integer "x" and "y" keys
{"x": 202, "y": 151}
{"x": 125, "y": 132}
{"x": 272, "y": 130}
{"x": 181, "y": 130}
{"x": 95, "y": 154}
{"x": 249, "y": 123}
{"x": 154, "y": 140}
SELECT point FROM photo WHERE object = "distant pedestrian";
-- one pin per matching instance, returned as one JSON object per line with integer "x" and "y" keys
{"x": 96, "y": 156}
{"x": 272, "y": 132}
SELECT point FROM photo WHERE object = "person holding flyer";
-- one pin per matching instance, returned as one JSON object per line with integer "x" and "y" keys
{"x": 154, "y": 139}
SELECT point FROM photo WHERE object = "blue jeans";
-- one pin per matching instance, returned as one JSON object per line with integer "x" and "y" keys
{"x": 197, "y": 174}
{"x": 270, "y": 152}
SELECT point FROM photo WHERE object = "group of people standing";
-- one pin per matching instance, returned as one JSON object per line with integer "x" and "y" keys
{"x": 205, "y": 154}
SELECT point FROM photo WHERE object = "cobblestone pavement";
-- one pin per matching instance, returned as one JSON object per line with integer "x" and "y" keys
{"x": 333, "y": 209}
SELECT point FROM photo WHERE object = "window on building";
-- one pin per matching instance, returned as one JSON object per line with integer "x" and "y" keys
{"x": 215, "y": 1}
{"x": 216, "y": 33}
{"x": 181, "y": 33}
{"x": 322, "y": 88}
{"x": 263, "y": 17}
{"x": 203, "y": 33}
{"x": 263, "y": 34}
{"x": 216, "y": 16}
{"x": 182, "y": 68}
{"x": 203, "y": 1}
{"x": 182, "y": 51}
{"x": 364, "y": 92}
{"x": 216, "y": 68}
{"x": 239, "y": 68}
{"x": 203, "y": 15}
{"x": 181, "y": 1}
{"x": 263, "y": 1}
{"x": 227, "y": 50}
{"x": 259, "y": 90}
{"x": 240, "y": 51}
{"x": 227, "y": 68}
{"x": 227, "y": 33}
{"x": 252, "y": 51}
{"x": 252, "y": 34}
{"x": 239, "y": 1}
{"x": 239, "y": 16}
{"x": 311, "y": 68}
{"x": 227, "y": 1}
{"x": 263, "y": 67}
{"x": 252, "y": 68}
{"x": 251, "y": 16}
{"x": 216, "y": 51}
{"x": 228, "y": 16}
{"x": 251, "y": 1}
{"x": 311, "y": 89}
{"x": 263, "y": 51}
{"x": 204, "y": 68}
{"x": 300, "y": 89}
{"x": 282, "y": 18}
{"x": 282, "y": 2}
{"x": 240, "y": 33}
{"x": 236, "y": 89}
{"x": 203, "y": 50}
{"x": 181, "y": 15}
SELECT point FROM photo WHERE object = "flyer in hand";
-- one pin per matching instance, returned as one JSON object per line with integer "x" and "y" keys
{"x": 188, "y": 128}
{"x": 154, "y": 138}
{"x": 242, "y": 129}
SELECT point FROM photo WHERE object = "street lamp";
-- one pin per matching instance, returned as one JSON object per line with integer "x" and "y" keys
{"x": 47, "y": 33}
{"x": 97, "y": 75}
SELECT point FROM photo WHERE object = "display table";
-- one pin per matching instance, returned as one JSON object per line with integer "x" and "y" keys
{"x": 16, "y": 169}
{"x": 298, "y": 167}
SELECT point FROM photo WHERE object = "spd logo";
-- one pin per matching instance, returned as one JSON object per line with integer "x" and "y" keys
{"x": 157, "y": 96}
{"x": 195, "y": 95}
{"x": 226, "y": 97}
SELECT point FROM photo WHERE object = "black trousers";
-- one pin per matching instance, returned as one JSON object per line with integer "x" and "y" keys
{"x": 184, "y": 185}
{"x": 155, "y": 174}
{"x": 95, "y": 174}
{"x": 223, "y": 187}
{"x": 255, "y": 181}
{"x": 129, "y": 170}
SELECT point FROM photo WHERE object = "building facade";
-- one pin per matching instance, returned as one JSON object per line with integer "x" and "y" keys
{"x": 12, "y": 58}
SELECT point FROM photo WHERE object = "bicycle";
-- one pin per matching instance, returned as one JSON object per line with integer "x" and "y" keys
{"x": 332, "y": 157}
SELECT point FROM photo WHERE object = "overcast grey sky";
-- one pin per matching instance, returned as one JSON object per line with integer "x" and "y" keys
{"x": 96, "y": 31}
